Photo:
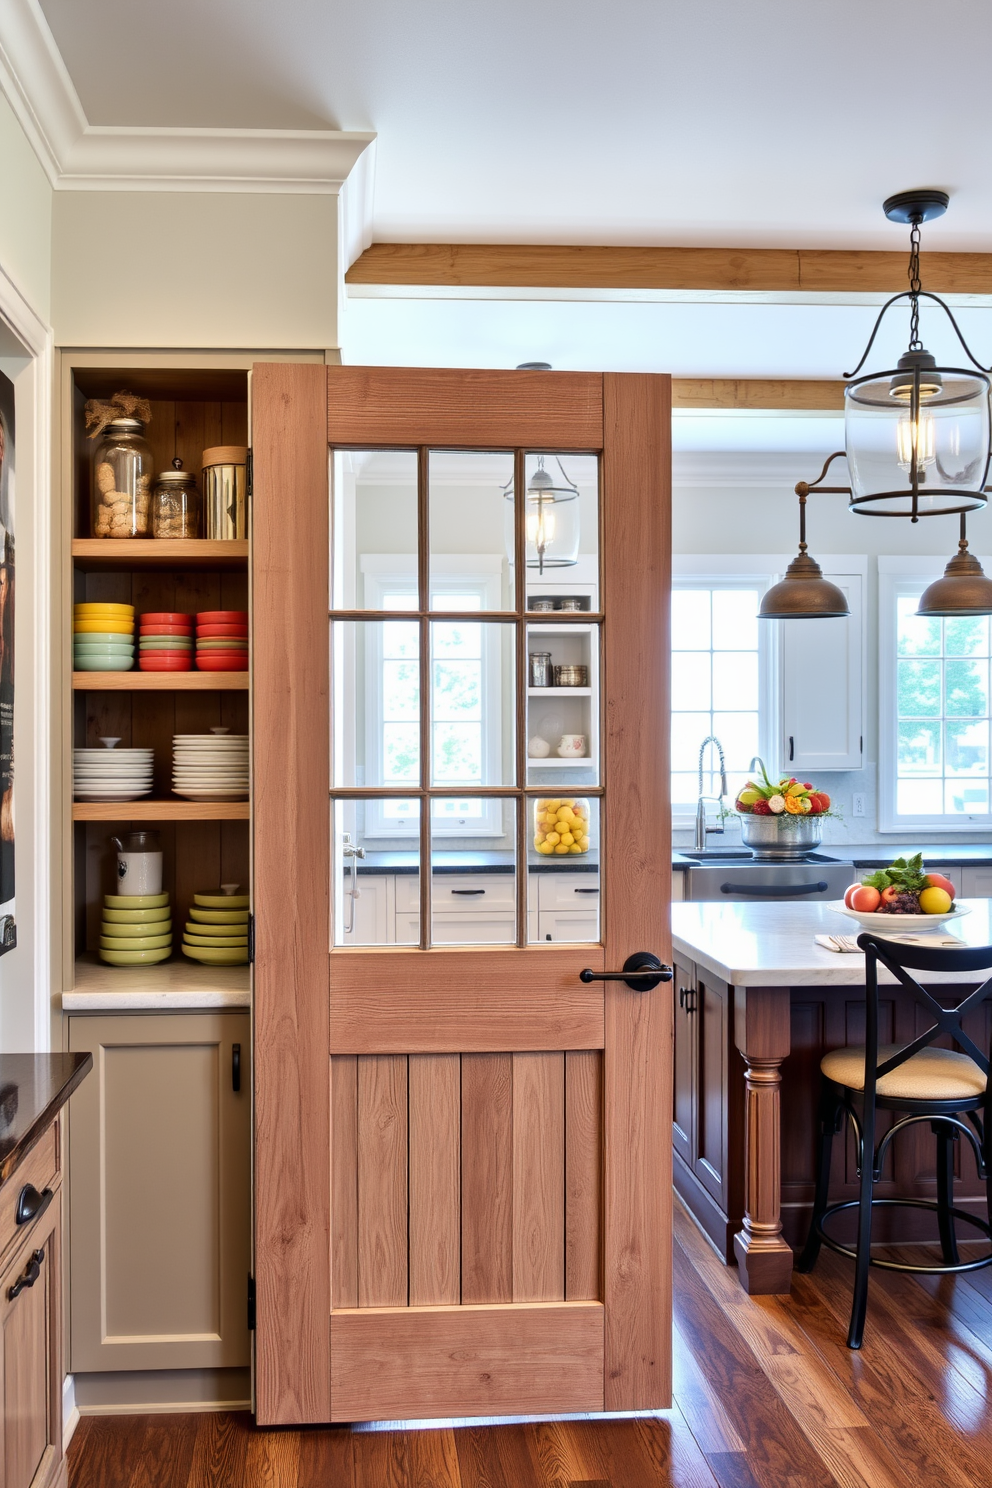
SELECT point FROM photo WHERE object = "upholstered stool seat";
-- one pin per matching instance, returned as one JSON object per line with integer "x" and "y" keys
{"x": 918, "y": 1082}
{"x": 933, "y": 1074}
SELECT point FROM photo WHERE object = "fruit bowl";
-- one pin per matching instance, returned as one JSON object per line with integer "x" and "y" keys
{"x": 896, "y": 924}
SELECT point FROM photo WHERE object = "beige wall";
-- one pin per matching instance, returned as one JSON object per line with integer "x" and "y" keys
{"x": 194, "y": 269}
{"x": 25, "y": 216}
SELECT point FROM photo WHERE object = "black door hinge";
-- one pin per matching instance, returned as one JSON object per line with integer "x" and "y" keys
{"x": 249, "y": 475}
{"x": 251, "y": 939}
{"x": 251, "y": 1304}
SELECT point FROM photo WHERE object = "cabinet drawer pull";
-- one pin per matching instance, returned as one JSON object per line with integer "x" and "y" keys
{"x": 585, "y": 891}
{"x": 235, "y": 1067}
{"x": 31, "y": 1273}
{"x": 468, "y": 893}
{"x": 687, "y": 999}
{"x": 31, "y": 1203}
{"x": 792, "y": 747}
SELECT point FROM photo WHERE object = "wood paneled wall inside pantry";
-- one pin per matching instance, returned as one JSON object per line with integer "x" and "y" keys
{"x": 472, "y": 1178}
{"x": 183, "y": 428}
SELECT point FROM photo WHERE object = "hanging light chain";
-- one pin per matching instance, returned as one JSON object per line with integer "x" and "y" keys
{"x": 915, "y": 344}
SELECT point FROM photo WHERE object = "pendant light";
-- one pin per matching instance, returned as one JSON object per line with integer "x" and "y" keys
{"x": 551, "y": 511}
{"x": 964, "y": 588}
{"x": 803, "y": 593}
{"x": 916, "y": 436}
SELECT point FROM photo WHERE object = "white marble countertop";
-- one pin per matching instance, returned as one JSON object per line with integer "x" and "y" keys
{"x": 171, "y": 987}
{"x": 772, "y": 945}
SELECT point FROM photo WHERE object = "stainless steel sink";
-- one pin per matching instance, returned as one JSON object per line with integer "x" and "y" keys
{"x": 715, "y": 854}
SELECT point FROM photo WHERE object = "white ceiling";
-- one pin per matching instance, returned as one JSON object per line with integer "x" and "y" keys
{"x": 639, "y": 121}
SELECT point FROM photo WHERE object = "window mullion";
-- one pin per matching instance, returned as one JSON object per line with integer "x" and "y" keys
{"x": 424, "y": 601}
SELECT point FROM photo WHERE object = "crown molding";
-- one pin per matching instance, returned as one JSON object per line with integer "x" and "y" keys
{"x": 79, "y": 156}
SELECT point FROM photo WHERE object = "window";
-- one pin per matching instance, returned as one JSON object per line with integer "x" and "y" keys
{"x": 467, "y": 678}
{"x": 934, "y": 766}
{"x": 723, "y": 665}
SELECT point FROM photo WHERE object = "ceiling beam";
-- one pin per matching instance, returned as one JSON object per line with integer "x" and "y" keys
{"x": 758, "y": 394}
{"x": 703, "y": 270}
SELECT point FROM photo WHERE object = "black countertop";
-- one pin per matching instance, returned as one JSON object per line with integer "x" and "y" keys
{"x": 33, "y": 1089}
{"x": 474, "y": 862}
{"x": 880, "y": 854}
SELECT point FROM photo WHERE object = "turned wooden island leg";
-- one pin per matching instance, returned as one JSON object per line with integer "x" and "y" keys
{"x": 761, "y": 1028}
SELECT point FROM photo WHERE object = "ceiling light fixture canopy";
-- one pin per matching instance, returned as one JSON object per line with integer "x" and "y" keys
{"x": 803, "y": 593}
{"x": 963, "y": 589}
{"x": 917, "y": 436}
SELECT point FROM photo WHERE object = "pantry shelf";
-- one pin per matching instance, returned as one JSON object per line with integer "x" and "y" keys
{"x": 91, "y": 553}
{"x": 146, "y": 810}
{"x": 551, "y": 692}
{"x": 559, "y": 764}
{"x": 161, "y": 682}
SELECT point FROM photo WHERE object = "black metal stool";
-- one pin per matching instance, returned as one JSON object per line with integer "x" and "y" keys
{"x": 924, "y": 1083}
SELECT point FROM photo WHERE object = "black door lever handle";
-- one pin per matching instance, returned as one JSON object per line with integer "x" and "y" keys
{"x": 642, "y": 972}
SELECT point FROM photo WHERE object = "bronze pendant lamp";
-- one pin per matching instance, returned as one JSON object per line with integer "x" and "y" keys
{"x": 918, "y": 443}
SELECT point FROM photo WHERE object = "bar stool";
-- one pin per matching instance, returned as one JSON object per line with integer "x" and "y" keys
{"x": 922, "y": 1083}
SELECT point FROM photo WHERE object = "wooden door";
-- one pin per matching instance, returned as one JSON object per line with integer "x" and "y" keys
{"x": 462, "y": 1151}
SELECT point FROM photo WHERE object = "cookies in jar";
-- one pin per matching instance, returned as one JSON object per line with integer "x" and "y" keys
{"x": 122, "y": 468}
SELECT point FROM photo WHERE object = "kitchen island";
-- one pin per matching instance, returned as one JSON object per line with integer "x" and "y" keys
{"x": 758, "y": 1003}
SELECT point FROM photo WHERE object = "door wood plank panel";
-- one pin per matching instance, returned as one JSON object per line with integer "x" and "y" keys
{"x": 583, "y": 1174}
{"x": 467, "y": 1361}
{"x": 387, "y": 1000}
{"x": 344, "y": 1180}
{"x": 453, "y": 407}
{"x": 487, "y": 1178}
{"x": 638, "y": 1083}
{"x": 435, "y": 1179}
{"x": 382, "y": 1181}
{"x": 292, "y": 875}
{"x": 538, "y": 1177}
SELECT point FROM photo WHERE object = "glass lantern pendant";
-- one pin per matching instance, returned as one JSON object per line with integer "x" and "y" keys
{"x": 551, "y": 520}
{"x": 917, "y": 436}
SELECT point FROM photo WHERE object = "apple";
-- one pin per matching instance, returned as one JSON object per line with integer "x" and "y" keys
{"x": 849, "y": 894}
{"x": 824, "y": 800}
{"x": 890, "y": 893}
{"x": 938, "y": 881}
{"x": 761, "y": 808}
{"x": 866, "y": 900}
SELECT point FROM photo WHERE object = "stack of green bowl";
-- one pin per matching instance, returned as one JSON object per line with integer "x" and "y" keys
{"x": 136, "y": 929}
{"x": 217, "y": 929}
{"x": 102, "y": 637}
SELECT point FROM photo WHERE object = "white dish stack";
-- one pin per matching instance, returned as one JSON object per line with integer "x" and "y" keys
{"x": 111, "y": 774}
{"x": 210, "y": 767}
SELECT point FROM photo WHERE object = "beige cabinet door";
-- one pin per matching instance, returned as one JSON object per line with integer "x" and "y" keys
{"x": 159, "y": 1206}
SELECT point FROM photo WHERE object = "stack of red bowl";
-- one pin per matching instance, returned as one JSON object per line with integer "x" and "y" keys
{"x": 222, "y": 641}
{"x": 165, "y": 642}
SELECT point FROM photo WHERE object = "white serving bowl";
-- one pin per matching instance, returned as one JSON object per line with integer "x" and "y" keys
{"x": 896, "y": 924}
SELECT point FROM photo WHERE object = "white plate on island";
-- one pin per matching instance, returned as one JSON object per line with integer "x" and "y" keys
{"x": 902, "y": 924}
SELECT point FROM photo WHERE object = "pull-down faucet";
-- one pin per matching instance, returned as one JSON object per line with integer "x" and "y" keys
{"x": 702, "y": 830}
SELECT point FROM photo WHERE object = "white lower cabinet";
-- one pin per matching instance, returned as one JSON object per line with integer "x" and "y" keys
{"x": 972, "y": 883}
{"x": 474, "y": 908}
{"x": 159, "y": 1196}
{"x": 562, "y": 924}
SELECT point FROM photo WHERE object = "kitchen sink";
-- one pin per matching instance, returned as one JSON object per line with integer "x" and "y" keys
{"x": 709, "y": 854}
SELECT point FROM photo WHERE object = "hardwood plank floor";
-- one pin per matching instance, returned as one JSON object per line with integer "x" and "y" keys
{"x": 766, "y": 1396}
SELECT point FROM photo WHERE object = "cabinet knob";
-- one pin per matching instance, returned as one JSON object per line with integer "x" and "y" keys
{"x": 31, "y": 1203}
{"x": 687, "y": 999}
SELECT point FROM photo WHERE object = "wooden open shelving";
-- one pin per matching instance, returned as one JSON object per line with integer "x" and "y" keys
{"x": 160, "y": 681}
{"x": 144, "y": 809}
{"x": 141, "y": 553}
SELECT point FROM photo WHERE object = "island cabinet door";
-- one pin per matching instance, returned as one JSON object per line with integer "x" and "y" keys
{"x": 462, "y": 1150}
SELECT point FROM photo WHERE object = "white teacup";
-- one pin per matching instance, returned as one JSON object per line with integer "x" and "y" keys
{"x": 572, "y": 746}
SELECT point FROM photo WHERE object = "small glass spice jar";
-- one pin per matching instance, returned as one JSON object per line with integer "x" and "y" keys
{"x": 122, "y": 480}
{"x": 540, "y": 669}
{"x": 176, "y": 503}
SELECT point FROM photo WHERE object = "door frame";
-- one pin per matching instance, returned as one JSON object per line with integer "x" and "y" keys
{"x": 297, "y": 411}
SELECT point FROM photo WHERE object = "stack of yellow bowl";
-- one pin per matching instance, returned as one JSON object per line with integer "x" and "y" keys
{"x": 136, "y": 929}
{"x": 103, "y": 637}
{"x": 217, "y": 929}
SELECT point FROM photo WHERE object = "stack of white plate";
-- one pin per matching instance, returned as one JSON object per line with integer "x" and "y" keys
{"x": 111, "y": 774}
{"x": 210, "y": 767}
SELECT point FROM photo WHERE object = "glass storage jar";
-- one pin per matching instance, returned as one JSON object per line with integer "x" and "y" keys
{"x": 176, "y": 503}
{"x": 122, "y": 480}
{"x": 561, "y": 826}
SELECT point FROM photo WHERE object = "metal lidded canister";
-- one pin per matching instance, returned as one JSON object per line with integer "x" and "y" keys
{"x": 224, "y": 485}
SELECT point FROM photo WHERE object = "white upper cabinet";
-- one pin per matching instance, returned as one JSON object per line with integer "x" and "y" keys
{"x": 822, "y": 679}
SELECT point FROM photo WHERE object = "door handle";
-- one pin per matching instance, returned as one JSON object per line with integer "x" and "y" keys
{"x": 642, "y": 972}
{"x": 31, "y": 1203}
{"x": 31, "y": 1273}
{"x": 792, "y": 747}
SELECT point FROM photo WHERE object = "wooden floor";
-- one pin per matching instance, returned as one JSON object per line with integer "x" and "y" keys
{"x": 766, "y": 1394}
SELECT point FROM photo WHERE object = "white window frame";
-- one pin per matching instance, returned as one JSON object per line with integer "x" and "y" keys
{"x": 739, "y": 571}
{"x": 898, "y": 577}
{"x": 474, "y": 573}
